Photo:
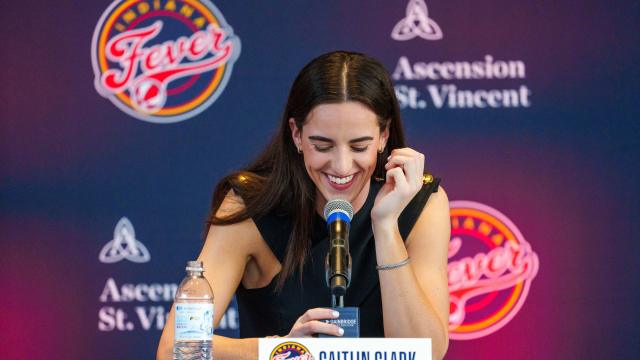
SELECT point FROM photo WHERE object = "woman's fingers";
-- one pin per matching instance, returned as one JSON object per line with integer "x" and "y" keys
{"x": 310, "y": 323}
{"x": 320, "y": 327}
{"x": 406, "y": 152}
{"x": 405, "y": 168}
{"x": 396, "y": 176}
{"x": 397, "y": 160}
{"x": 318, "y": 314}
{"x": 408, "y": 164}
{"x": 412, "y": 163}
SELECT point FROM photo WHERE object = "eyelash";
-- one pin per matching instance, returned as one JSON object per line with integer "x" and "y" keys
{"x": 324, "y": 149}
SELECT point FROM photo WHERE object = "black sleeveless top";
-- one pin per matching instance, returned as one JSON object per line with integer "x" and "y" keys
{"x": 264, "y": 312}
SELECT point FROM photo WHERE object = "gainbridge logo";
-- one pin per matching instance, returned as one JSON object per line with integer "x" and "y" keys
{"x": 163, "y": 61}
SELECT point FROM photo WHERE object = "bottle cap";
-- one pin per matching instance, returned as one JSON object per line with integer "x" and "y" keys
{"x": 195, "y": 266}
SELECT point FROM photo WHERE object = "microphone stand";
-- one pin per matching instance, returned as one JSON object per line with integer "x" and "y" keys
{"x": 338, "y": 273}
{"x": 337, "y": 300}
{"x": 338, "y": 269}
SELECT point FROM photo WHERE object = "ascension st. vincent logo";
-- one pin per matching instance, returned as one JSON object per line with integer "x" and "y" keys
{"x": 163, "y": 61}
{"x": 416, "y": 23}
{"x": 124, "y": 245}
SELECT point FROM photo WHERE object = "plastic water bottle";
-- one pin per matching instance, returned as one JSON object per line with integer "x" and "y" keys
{"x": 193, "y": 331}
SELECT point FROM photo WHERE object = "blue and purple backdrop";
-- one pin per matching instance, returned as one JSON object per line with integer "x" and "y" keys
{"x": 117, "y": 118}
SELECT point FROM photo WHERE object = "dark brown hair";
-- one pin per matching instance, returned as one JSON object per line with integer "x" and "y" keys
{"x": 277, "y": 180}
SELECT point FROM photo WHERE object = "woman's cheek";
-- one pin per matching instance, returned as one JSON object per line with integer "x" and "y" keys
{"x": 369, "y": 161}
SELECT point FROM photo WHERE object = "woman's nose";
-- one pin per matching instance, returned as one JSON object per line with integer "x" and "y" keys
{"x": 342, "y": 163}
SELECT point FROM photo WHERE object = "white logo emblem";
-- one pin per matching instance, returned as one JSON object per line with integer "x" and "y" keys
{"x": 416, "y": 23}
{"x": 124, "y": 245}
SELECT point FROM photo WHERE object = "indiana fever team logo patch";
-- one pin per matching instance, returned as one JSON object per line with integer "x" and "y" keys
{"x": 491, "y": 268}
{"x": 290, "y": 351}
{"x": 162, "y": 61}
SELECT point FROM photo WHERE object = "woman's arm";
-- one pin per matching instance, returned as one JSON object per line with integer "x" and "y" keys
{"x": 415, "y": 297}
{"x": 225, "y": 254}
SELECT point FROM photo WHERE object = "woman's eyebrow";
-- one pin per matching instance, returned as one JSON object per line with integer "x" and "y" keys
{"x": 360, "y": 139}
{"x": 324, "y": 139}
{"x": 320, "y": 138}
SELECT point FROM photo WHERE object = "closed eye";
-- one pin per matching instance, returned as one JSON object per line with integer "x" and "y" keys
{"x": 322, "y": 148}
{"x": 327, "y": 148}
{"x": 359, "y": 148}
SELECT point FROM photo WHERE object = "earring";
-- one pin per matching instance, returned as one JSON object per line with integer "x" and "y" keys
{"x": 380, "y": 173}
{"x": 299, "y": 151}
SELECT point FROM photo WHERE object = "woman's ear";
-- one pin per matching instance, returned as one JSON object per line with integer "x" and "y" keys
{"x": 296, "y": 134}
{"x": 384, "y": 136}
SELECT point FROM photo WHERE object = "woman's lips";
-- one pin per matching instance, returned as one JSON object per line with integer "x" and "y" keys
{"x": 341, "y": 187}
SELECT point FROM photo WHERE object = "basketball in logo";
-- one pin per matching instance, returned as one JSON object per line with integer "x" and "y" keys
{"x": 290, "y": 351}
{"x": 491, "y": 268}
{"x": 162, "y": 61}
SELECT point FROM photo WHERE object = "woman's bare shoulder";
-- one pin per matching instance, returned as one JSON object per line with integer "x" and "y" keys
{"x": 231, "y": 204}
{"x": 240, "y": 246}
{"x": 241, "y": 237}
{"x": 433, "y": 224}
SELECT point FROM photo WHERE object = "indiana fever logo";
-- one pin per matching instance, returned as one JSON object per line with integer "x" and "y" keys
{"x": 162, "y": 61}
{"x": 290, "y": 351}
{"x": 491, "y": 267}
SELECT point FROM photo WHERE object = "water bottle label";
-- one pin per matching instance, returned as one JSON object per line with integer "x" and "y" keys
{"x": 194, "y": 322}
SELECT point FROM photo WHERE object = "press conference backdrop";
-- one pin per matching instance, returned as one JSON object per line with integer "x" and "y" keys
{"x": 119, "y": 117}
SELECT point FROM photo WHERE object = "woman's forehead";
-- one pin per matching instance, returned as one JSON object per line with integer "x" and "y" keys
{"x": 342, "y": 119}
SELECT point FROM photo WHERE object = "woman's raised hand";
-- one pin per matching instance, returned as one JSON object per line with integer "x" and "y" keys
{"x": 403, "y": 181}
{"x": 309, "y": 324}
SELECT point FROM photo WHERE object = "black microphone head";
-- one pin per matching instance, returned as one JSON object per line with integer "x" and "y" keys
{"x": 338, "y": 205}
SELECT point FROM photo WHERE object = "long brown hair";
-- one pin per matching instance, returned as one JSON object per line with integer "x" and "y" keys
{"x": 277, "y": 180}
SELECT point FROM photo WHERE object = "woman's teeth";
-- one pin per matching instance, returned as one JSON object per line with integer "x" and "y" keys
{"x": 339, "y": 180}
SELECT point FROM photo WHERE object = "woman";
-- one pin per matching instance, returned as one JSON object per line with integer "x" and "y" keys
{"x": 340, "y": 137}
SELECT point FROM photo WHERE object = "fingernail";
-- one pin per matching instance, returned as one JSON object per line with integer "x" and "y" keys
{"x": 341, "y": 331}
{"x": 336, "y": 314}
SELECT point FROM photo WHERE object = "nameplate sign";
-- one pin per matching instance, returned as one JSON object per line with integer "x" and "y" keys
{"x": 344, "y": 349}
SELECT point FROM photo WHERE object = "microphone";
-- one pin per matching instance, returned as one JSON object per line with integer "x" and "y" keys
{"x": 337, "y": 266}
{"x": 338, "y": 214}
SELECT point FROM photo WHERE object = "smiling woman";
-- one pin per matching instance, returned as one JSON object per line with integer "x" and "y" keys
{"x": 340, "y": 145}
{"x": 340, "y": 138}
